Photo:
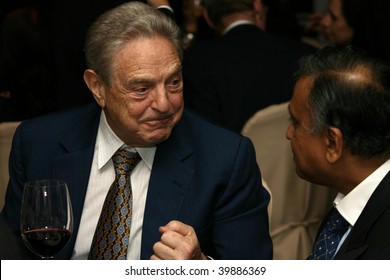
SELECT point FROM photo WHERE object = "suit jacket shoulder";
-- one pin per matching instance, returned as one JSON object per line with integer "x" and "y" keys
{"x": 369, "y": 237}
{"x": 59, "y": 146}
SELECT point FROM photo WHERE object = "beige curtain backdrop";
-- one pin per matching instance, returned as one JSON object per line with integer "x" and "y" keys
{"x": 7, "y": 130}
{"x": 298, "y": 206}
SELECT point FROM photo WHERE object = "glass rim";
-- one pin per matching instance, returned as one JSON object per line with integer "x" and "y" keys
{"x": 45, "y": 183}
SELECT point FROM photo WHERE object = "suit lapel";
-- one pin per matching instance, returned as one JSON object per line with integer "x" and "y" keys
{"x": 168, "y": 185}
{"x": 355, "y": 245}
{"x": 74, "y": 165}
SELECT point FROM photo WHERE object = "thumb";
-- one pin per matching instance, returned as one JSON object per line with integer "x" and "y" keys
{"x": 176, "y": 226}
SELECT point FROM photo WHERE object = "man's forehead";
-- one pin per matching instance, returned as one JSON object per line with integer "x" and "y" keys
{"x": 301, "y": 92}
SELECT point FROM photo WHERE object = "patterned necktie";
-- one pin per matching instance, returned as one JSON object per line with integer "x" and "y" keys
{"x": 330, "y": 237}
{"x": 111, "y": 238}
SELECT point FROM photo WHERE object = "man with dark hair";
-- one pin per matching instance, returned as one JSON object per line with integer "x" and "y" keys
{"x": 339, "y": 133}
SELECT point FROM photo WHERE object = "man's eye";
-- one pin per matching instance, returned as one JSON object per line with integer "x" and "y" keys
{"x": 293, "y": 121}
{"x": 175, "y": 84}
{"x": 141, "y": 90}
{"x": 333, "y": 17}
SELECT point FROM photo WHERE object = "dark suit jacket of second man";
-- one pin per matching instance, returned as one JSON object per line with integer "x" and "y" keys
{"x": 229, "y": 78}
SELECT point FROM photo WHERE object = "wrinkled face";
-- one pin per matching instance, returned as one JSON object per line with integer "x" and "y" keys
{"x": 145, "y": 99}
{"x": 309, "y": 149}
{"x": 336, "y": 29}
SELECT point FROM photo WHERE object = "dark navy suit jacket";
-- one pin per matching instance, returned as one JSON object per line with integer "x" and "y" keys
{"x": 203, "y": 175}
{"x": 369, "y": 237}
{"x": 229, "y": 78}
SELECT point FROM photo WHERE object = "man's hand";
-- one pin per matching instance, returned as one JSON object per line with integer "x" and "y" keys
{"x": 178, "y": 242}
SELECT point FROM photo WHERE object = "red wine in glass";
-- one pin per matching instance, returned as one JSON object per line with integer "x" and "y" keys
{"x": 46, "y": 221}
{"x": 46, "y": 242}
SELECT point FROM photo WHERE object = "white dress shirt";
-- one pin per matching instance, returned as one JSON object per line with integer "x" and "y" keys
{"x": 101, "y": 177}
{"x": 352, "y": 205}
{"x": 237, "y": 23}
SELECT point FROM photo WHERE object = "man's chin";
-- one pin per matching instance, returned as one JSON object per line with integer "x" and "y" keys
{"x": 157, "y": 137}
{"x": 299, "y": 173}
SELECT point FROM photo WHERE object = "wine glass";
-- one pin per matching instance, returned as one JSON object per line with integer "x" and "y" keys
{"x": 46, "y": 221}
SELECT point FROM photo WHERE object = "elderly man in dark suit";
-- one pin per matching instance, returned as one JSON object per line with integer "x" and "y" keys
{"x": 196, "y": 192}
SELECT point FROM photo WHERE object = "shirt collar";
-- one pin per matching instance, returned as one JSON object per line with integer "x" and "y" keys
{"x": 107, "y": 143}
{"x": 352, "y": 205}
{"x": 236, "y": 23}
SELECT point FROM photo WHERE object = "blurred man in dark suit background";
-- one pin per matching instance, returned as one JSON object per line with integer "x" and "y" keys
{"x": 229, "y": 78}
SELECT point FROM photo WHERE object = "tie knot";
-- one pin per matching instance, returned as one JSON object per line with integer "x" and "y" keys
{"x": 125, "y": 161}
{"x": 336, "y": 222}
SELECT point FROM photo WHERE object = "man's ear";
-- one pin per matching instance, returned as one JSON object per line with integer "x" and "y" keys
{"x": 96, "y": 86}
{"x": 334, "y": 144}
{"x": 260, "y": 14}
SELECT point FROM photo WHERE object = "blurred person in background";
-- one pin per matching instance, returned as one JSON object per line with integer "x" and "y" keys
{"x": 362, "y": 23}
{"x": 244, "y": 69}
